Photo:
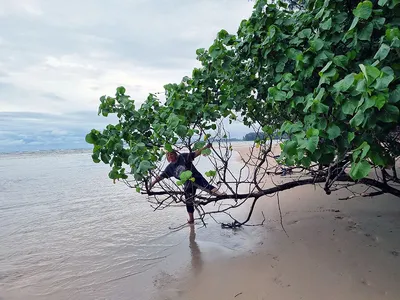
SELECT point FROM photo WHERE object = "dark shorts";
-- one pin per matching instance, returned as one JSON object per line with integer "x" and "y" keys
{"x": 190, "y": 190}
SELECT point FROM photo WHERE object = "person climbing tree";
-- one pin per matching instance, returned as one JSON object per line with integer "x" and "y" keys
{"x": 179, "y": 163}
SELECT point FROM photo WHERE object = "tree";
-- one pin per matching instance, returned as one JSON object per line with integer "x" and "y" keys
{"x": 252, "y": 136}
{"x": 325, "y": 74}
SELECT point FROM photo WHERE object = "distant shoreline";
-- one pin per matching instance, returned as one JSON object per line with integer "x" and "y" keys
{"x": 69, "y": 150}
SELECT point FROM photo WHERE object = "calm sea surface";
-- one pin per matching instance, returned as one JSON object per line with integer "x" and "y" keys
{"x": 68, "y": 232}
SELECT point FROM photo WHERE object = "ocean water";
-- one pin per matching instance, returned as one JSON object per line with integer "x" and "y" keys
{"x": 68, "y": 232}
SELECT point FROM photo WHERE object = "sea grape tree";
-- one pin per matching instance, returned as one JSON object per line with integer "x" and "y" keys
{"x": 323, "y": 73}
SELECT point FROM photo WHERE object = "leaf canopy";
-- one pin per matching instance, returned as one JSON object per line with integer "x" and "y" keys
{"x": 325, "y": 76}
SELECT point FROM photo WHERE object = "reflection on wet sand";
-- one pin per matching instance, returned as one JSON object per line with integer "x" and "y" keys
{"x": 197, "y": 262}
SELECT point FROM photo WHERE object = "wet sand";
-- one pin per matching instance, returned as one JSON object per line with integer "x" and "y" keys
{"x": 335, "y": 249}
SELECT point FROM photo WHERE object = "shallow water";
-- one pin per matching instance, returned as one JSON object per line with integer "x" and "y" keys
{"x": 68, "y": 232}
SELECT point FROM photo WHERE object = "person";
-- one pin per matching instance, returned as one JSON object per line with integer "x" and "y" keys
{"x": 179, "y": 163}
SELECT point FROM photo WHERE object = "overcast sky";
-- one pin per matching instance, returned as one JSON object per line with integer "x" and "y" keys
{"x": 58, "y": 57}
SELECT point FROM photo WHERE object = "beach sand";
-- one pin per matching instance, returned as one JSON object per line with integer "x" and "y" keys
{"x": 335, "y": 249}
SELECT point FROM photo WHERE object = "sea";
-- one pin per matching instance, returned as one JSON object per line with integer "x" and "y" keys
{"x": 68, "y": 232}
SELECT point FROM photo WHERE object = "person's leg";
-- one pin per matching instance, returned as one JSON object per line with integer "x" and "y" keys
{"x": 190, "y": 192}
{"x": 190, "y": 211}
{"x": 204, "y": 184}
{"x": 215, "y": 191}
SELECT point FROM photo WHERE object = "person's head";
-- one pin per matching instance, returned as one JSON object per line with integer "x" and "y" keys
{"x": 172, "y": 156}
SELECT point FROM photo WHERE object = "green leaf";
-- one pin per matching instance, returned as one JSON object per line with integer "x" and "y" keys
{"x": 377, "y": 158}
{"x": 378, "y": 22}
{"x": 363, "y": 10}
{"x": 181, "y": 130}
{"x": 392, "y": 33}
{"x": 382, "y": 52}
{"x": 349, "y": 107}
{"x": 210, "y": 173}
{"x": 357, "y": 119}
{"x": 321, "y": 108}
{"x": 326, "y": 25}
{"x": 331, "y": 73}
{"x": 341, "y": 61}
{"x": 361, "y": 86}
{"x": 290, "y": 147}
{"x": 369, "y": 102}
{"x": 382, "y": 2}
{"x": 322, "y": 123}
{"x": 105, "y": 158}
{"x": 366, "y": 32}
{"x": 306, "y": 161}
{"x": 199, "y": 145}
{"x": 364, "y": 70}
{"x": 113, "y": 174}
{"x": 354, "y": 23}
{"x": 95, "y": 158}
{"x": 138, "y": 177}
{"x": 305, "y": 33}
{"x": 350, "y": 137}
{"x": 390, "y": 114}
{"x": 121, "y": 90}
{"x": 293, "y": 54}
{"x": 168, "y": 147}
{"x": 320, "y": 94}
{"x": 173, "y": 121}
{"x": 280, "y": 67}
{"x": 320, "y": 13}
{"x": 370, "y": 72}
{"x": 383, "y": 82}
{"x": 365, "y": 150}
{"x": 333, "y": 132}
{"x": 344, "y": 84}
{"x": 312, "y": 143}
{"x": 141, "y": 145}
{"x": 312, "y": 132}
{"x": 326, "y": 67}
{"x": 268, "y": 130}
{"x": 91, "y": 138}
{"x": 360, "y": 170}
{"x": 317, "y": 44}
{"x": 185, "y": 175}
{"x": 138, "y": 189}
{"x": 206, "y": 151}
{"x": 394, "y": 95}
{"x": 387, "y": 71}
{"x": 276, "y": 94}
{"x": 144, "y": 166}
{"x": 395, "y": 43}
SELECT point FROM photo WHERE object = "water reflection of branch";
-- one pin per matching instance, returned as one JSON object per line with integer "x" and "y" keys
{"x": 197, "y": 262}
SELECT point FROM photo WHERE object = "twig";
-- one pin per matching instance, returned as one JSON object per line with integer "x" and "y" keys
{"x": 280, "y": 214}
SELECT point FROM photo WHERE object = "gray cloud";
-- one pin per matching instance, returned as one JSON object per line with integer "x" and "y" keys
{"x": 58, "y": 57}
{"x": 26, "y": 131}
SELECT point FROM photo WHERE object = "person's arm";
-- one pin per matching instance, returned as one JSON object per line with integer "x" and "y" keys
{"x": 198, "y": 152}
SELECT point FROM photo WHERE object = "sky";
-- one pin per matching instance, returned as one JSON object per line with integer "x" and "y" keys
{"x": 57, "y": 58}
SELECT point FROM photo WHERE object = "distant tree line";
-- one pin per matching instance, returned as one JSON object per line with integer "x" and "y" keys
{"x": 251, "y": 136}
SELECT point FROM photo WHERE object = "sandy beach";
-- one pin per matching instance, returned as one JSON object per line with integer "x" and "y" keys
{"x": 335, "y": 249}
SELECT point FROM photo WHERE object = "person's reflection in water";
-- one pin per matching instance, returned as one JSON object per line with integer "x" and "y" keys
{"x": 197, "y": 262}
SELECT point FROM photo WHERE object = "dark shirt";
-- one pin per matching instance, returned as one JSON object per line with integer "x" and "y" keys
{"x": 183, "y": 163}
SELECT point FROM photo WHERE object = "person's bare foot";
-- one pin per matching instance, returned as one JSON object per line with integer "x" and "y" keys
{"x": 218, "y": 193}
